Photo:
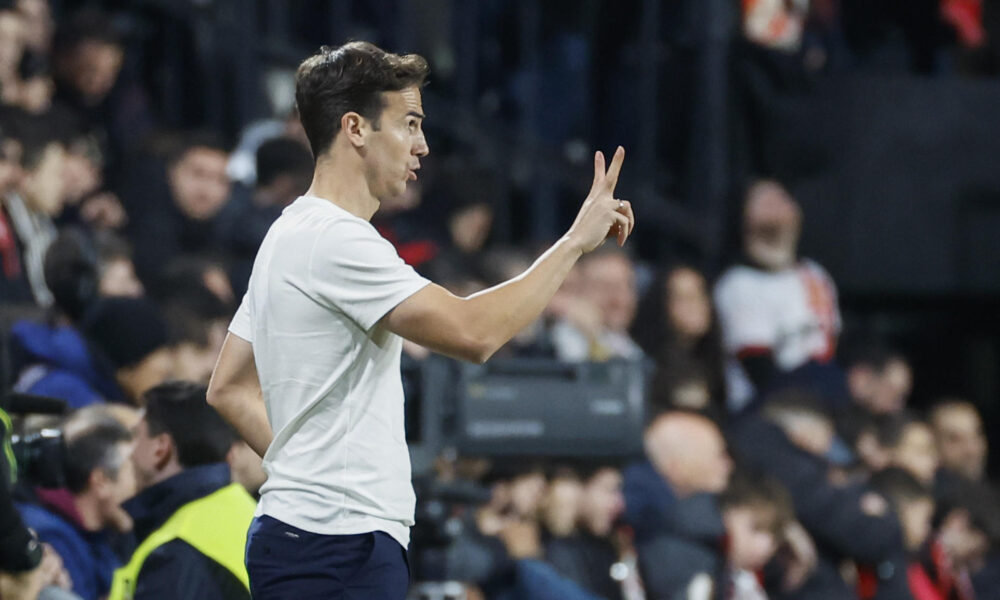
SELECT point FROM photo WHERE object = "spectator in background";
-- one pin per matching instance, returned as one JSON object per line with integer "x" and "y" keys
{"x": 846, "y": 520}
{"x": 670, "y": 500}
{"x": 675, "y": 322}
{"x": 115, "y": 270}
{"x": 284, "y": 170}
{"x": 967, "y": 526}
{"x": 756, "y": 513}
{"x": 587, "y": 555}
{"x": 683, "y": 385}
{"x": 775, "y": 24}
{"x": 197, "y": 321}
{"x": 608, "y": 284}
{"x": 913, "y": 506}
{"x": 15, "y": 288}
{"x": 561, "y": 504}
{"x": 779, "y": 313}
{"x": 191, "y": 275}
{"x": 913, "y": 450}
{"x": 958, "y": 431}
{"x": 38, "y": 24}
{"x": 12, "y": 38}
{"x": 35, "y": 90}
{"x": 190, "y": 520}
{"x": 37, "y": 200}
{"x": 177, "y": 212}
{"x": 76, "y": 520}
{"x": 879, "y": 379}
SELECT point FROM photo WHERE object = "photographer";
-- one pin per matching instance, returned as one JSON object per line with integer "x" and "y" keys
{"x": 26, "y": 566}
{"x": 78, "y": 519}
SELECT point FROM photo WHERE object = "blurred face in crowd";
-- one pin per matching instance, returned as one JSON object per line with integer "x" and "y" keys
{"x": 812, "y": 433}
{"x": 470, "y": 227}
{"x": 526, "y": 493}
{"x": 43, "y": 185}
{"x": 392, "y": 151}
{"x": 193, "y": 362}
{"x": 884, "y": 392}
{"x": 148, "y": 455}
{"x": 10, "y": 165}
{"x": 609, "y": 282}
{"x": 915, "y": 518}
{"x": 751, "y": 533}
{"x": 771, "y": 226}
{"x": 199, "y": 183}
{"x": 916, "y": 452}
{"x": 151, "y": 371}
{"x": 960, "y": 440}
{"x": 689, "y": 452}
{"x": 688, "y": 307}
{"x": 92, "y": 68}
{"x": 37, "y": 22}
{"x": 118, "y": 279}
{"x": 35, "y": 95}
{"x": 81, "y": 175}
{"x": 602, "y": 502}
{"x": 561, "y": 505}
{"x": 11, "y": 43}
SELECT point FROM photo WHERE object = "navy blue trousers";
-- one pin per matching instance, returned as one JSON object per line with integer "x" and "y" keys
{"x": 288, "y": 563}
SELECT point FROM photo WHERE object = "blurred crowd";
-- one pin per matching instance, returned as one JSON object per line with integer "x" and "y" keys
{"x": 778, "y": 462}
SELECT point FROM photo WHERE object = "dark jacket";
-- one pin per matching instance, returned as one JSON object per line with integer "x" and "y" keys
{"x": 676, "y": 538}
{"x": 587, "y": 560}
{"x": 87, "y": 555}
{"x": 832, "y": 514}
{"x": 176, "y": 569}
{"x": 56, "y": 361}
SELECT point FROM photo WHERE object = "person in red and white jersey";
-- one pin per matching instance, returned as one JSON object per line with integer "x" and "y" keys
{"x": 777, "y": 311}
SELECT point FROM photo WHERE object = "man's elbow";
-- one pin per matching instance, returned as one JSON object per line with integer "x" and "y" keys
{"x": 478, "y": 350}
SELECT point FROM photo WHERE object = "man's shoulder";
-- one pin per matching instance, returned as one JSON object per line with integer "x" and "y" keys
{"x": 177, "y": 569}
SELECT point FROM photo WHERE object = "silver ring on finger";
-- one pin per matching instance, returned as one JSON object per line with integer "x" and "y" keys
{"x": 621, "y": 204}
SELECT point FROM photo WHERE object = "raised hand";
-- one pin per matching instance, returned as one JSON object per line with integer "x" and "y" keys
{"x": 602, "y": 215}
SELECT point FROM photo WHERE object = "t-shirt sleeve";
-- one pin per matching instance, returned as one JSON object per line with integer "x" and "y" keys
{"x": 355, "y": 270}
{"x": 746, "y": 321}
{"x": 240, "y": 325}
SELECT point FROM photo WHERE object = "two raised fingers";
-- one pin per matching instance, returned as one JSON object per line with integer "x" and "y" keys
{"x": 608, "y": 178}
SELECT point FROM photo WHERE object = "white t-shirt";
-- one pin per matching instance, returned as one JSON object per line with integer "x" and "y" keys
{"x": 321, "y": 281}
{"x": 792, "y": 314}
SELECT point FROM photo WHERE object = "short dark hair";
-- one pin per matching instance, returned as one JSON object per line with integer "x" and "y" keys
{"x": 899, "y": 487}
{"x": 335, "y": 81}
{"x": 749, "y": 490}
{"x": 178, "y": 145}
{"x": 87, "y": 25}
{"x": 282, "y": 156}
{"x": 94, "y": 447}
{"x": 179, "y": 409}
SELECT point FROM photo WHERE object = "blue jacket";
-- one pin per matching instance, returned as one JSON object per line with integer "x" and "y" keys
{"x": 87, "y": 556}
{"x": 176, "y": 569}
{"x": 60, "y": 364}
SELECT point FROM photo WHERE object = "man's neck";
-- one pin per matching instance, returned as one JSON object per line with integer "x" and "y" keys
{"x": 88, "y": 511}
{"x": 339, "y": 178}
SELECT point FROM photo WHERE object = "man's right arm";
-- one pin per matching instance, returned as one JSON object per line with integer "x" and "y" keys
{"x": 474, "y": 328}
{"x": 235, "y": 393}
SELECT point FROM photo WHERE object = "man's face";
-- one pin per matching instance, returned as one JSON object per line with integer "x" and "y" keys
{"x": 44, "y": 186}
{"x": 199, "y": 183}
{"x": 884, "y": 392}
{"x": 771, "y": 226}
{"x": 118, "y": 280}
{"x": 11, "y": 41}
{"x": 145, "y": 461}
{"x": 610, "y": 284}
{"x": 751, "y": 536}
{"x": 959, "y": 434}
{"x": 93, "y": 69}
{"x": 916, "y": 452}
{"x": 151, "y": 371}
{"x": 602, "y": 501}
{"x": 116, "y": 490}
{"x": 392, "y": 153}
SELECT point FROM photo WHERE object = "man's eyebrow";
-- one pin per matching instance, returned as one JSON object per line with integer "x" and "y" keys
{"x": 414, "y": 113}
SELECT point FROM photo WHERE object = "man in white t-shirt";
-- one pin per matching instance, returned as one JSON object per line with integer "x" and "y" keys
{"x": 313, "y": 352}
{"x": 777, "y": 312}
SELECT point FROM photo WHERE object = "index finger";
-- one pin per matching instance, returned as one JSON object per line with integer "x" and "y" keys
{"x": 611, "y": 179}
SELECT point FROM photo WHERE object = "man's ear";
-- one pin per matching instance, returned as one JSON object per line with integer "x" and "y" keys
{"x": 163, "y": 450}
{"x": 355, "y": 127}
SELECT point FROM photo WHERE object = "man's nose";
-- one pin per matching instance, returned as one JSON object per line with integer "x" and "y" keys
{"x": 421, "y": 148}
